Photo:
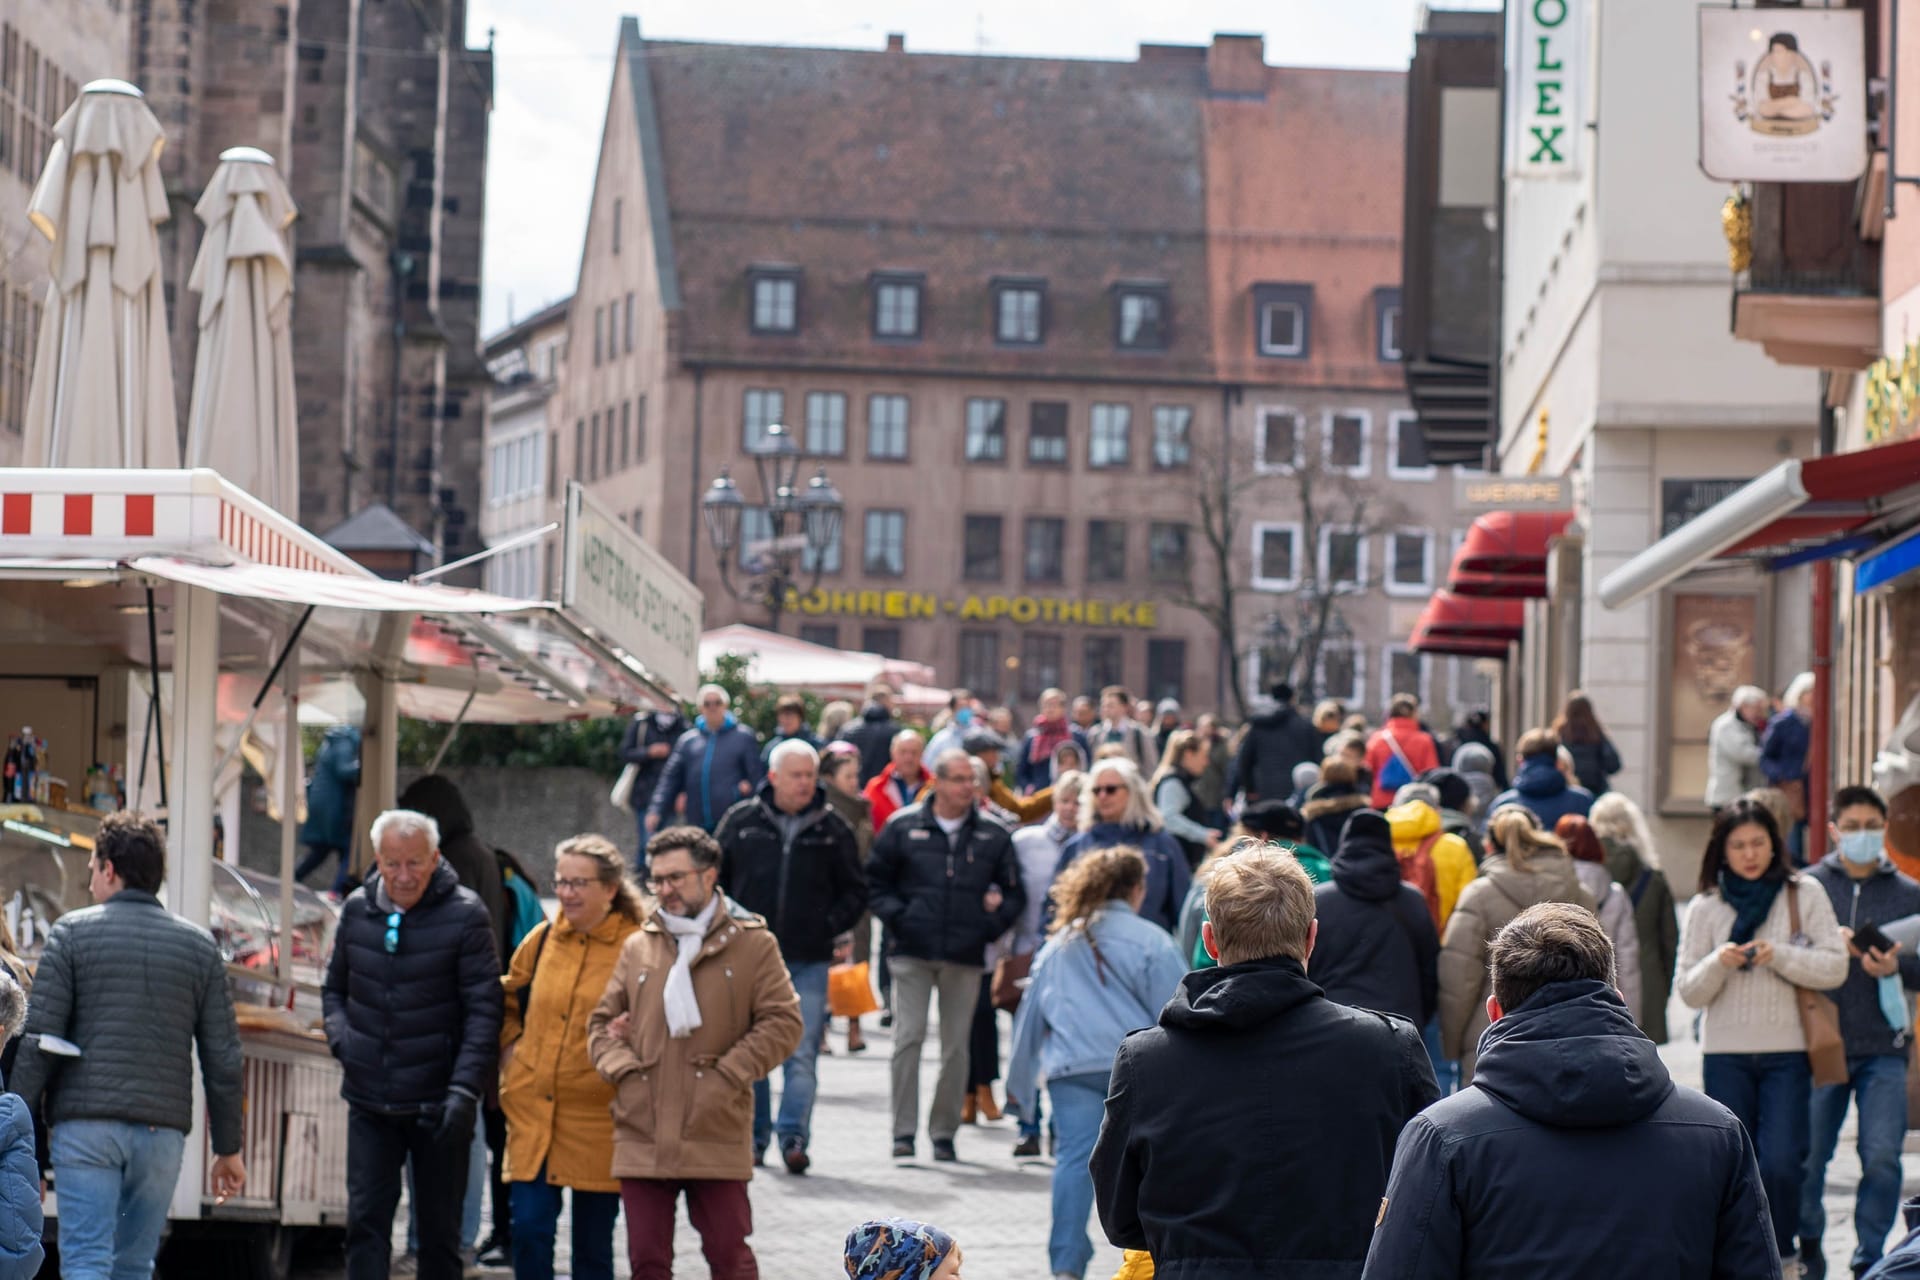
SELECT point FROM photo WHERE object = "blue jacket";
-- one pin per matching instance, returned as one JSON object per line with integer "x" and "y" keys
{"x": 1167, "y": 872}
{"x": 1031, "y": 775}
{"x": 332, "y": 790}
{"x": 1541, "y": 787}
{"x": 1077, "y": 1009}
{"x": 1783, "y": 748}
{"x": 1667, "y": 1184}
{"x": 1884, "y": 896}
{"x": 708, "y": 767}
{"x": 805, "y": 735}
{"x": 21, "y": 1220}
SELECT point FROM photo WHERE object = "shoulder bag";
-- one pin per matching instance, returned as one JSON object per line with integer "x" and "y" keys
{"x": 1819, "y": 1015}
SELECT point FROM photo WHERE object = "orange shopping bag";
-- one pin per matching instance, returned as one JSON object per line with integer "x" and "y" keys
{"x": 850, "y": 991}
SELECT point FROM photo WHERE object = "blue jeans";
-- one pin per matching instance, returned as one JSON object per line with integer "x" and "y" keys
{"x": 1030, "y": 1124}
{"x": 1079, "y": 1105}
{"x": 536, "y": 1217}
{"x": 1879, "y": 1085}
{"x": 1769, "y": 1092}
{"x": 800, "y": 1074}
{"x": 1446, "y": 1073}
{"x": 115, "y": 1181}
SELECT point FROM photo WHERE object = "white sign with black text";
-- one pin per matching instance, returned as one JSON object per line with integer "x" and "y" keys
{"x": 1783, "y": 94}
{"x": 627, "y": 592}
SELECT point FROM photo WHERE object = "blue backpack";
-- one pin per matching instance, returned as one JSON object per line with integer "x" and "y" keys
{"x": 528, "y": 913}
{"x": 1397, "y": 772}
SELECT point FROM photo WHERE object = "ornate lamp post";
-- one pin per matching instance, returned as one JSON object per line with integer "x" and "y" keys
{"x": 802, "y": 524}
{"x": 1276, "y": 653}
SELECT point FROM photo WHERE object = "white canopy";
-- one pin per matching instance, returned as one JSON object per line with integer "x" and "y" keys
{"x": 787, "y": 663}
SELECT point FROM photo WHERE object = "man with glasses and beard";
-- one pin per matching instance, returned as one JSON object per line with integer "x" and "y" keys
{"x": 413, "y": 1006}
{"x": 944, "y": 880}
{"x": 698, "y": 1008}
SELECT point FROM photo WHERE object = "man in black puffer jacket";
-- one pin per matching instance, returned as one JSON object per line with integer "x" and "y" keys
{"x": 1566, "y": 1086}
{"x": 1276, "y": 742}
{"x": 788, "y": 857}
{"x": 1377, "y": 948}
{"x": 872, "y": 731}
{"x": 1251, "y": 1132}
{"x": 943, "y": 879}
{"x": 413, "y": 1004}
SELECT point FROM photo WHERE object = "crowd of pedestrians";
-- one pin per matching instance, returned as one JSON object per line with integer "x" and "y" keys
{"x": 1468, "y": 974}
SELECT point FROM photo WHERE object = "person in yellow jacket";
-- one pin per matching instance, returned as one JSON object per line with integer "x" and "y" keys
{"x": 1432, "y": 860}
{"x": 559, "y": 1128}
{"x": 1135, "y": 1264}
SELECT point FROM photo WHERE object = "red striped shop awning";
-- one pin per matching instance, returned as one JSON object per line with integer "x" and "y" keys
{"x": 1477, "y": 627}
{"x": 1510, "y": 543}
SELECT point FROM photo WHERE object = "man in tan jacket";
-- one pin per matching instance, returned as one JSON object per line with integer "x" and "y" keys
{"x": 698, "y": 1008}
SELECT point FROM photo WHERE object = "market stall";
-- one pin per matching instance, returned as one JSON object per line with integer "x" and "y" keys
{"x": 188, "y": 623}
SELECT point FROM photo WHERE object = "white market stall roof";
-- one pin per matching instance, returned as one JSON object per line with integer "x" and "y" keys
{"x": 519, "y": 661}
{"x": 787, "y": 663}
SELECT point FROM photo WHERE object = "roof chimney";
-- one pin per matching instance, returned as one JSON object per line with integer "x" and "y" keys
{"x": 1236, "y": 65}
{"x": 896, "y": 42}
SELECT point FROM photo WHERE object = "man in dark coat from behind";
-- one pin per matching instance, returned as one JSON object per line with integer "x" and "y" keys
{"x": 1275, "y": 1166}
{"x": 1377, "y": 948}
{"x": 1567, "y": 1086}
{"x": 473, "y": 861}
{"x": 1275, "y": 743}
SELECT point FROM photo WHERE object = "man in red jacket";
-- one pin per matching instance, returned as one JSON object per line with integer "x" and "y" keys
{"x": 1401, "y": 751}
{"x": 901, "y": 782}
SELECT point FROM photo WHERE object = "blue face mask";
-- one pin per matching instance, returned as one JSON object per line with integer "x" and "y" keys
{"x": 963, "y": 717}
{"x": 1862, "y": 848}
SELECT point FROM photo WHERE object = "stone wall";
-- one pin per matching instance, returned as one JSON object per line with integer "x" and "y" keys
{"x": 525, "y": 811}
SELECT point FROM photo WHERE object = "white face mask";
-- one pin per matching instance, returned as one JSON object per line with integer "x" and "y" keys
{"x": 1862, "y": 848}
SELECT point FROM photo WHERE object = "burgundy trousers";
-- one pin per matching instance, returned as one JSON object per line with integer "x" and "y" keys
{"x": 719, "y": 1210}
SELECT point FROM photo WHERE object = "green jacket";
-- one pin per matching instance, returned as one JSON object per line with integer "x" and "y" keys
{"x": 1194, "y": 913}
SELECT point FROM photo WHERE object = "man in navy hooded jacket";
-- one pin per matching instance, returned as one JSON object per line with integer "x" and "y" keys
{"x": 1573, "y": 1154}
{"x": 715, "y": 765}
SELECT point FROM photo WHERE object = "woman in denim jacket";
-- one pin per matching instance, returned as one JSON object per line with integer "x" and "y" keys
{"x": 1103, "y": 972}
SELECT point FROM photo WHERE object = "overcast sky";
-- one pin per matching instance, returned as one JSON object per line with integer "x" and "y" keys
{"x": 554, "y": 65}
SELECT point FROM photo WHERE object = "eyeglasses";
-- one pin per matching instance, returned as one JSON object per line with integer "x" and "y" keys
{"x": 1108, "y": 791}
{"x": 657, "y": 883}
{"x": 570, "y": 885}
{"x": 393, "y": 932}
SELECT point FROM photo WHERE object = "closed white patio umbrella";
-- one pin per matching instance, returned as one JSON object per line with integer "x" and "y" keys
{"x": 240, "y": 421}
{"x": 102, "y": 389}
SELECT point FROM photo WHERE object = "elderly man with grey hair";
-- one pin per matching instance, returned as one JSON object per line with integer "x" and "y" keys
{"x": 714, "y": 766}
{"x": 944, "y": 880}
{"x": 790, "y": 858}
{"x": 1733, "y": 746}
{"x": 413, "y": 1004}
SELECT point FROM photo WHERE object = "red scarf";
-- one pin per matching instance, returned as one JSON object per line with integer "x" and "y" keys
{"x": 1048, "y": 735}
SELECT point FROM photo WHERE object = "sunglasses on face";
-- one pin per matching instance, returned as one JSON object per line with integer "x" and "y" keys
{"x": 1108, "y": 791}
{"x": 393, "y": 932}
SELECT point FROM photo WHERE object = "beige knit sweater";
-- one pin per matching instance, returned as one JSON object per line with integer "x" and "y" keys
{"x": 1753, "y": 1010}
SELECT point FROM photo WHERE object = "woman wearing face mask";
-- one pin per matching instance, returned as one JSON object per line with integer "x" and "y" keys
{"x": 1740, "y": 960}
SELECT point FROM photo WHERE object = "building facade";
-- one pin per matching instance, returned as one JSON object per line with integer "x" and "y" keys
{"x": 47, "y": 51}
{"x": 528, "y": 364}
{"x": 376, "y": 115}
{"x": 1064, "y": 334}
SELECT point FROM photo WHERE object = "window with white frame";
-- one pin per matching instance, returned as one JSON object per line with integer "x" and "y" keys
{"x": 1403, "y": 671}
{"x": 1283, "y": 329}
{"x": 887, "y": 426}
{"x": 1172, "y": 436}
{"x": 986, "y": 430}
{"x": 1410, "y": 562}
{"x": 1346, "y": 445}
{"x": 760, "y": 410}
{"x": 1278, "y": 439}
{"x": 1387, "y": 316}
{"x": 1407, "y": 449}
{"x": 1276, "y": 556}
{"x": 896, "y": 308}
{"x": 775, "y": 303}
{"x": 1342, "y": 672}
{"x": 1343, "y": 558}
{"x": 885, "y": 552}
{"x": 1107, "y": 436}
{"x": 827, "y": 423}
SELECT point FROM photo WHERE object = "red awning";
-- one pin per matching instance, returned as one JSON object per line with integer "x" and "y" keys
{"x": 1509, "y": 586}
{"x": 1511, "y": 542}
{"x": 1802, "y": 504}
{"x": 1483, "y": 626}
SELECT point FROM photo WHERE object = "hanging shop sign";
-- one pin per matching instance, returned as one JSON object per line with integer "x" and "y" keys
{"x": 1893, "y": 395}
{"x": 1783, "y": 94}
{"x": 628, "y": 592}
{"x": 1682, "y": 500}
{"x": 1550, "y": 64}
{"x": 908, "y": 606}
{"x": 1477, "y": 495}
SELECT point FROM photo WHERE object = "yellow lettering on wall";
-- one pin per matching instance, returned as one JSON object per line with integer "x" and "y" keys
{"x": 1096, "y": 613}
{"x": 844, "y": 602}
{"x": 1073, "y": 611}
{"x": 1024, "y": 609}
{"x": 1047, "y": 606}
{"x": 971, "y": 610}
{"x": 869, "y": 603}
{"x": 996, "y": 607}
{"x": 1146, "y": 614}
{"x": 895, "y": 603}
{"x": 1121, "y": 613}
{"x": 923, "y": 605}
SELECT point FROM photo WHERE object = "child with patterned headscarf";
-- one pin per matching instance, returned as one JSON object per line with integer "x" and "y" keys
{"x": 900, "y": 1249}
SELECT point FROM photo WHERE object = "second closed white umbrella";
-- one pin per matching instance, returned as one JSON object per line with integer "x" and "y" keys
{"x": 240, "y": 421}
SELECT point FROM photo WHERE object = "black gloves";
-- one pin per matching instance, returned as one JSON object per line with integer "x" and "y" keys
{"x": 457, "y": 1116}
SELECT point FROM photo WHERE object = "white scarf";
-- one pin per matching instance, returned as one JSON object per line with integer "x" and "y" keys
{"x": 689, "y": 932}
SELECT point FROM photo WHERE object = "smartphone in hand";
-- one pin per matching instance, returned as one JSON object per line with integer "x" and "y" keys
{"x": 1868, "y": 937}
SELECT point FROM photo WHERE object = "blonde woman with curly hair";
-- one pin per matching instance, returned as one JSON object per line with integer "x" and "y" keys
{"x": 1525, "y": 866}
{"x": 559, "y": 1128}
{"x": 1103, "y": 972}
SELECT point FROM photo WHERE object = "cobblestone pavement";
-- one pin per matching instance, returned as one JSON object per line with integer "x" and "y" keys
{"x": 997, "y": 1207}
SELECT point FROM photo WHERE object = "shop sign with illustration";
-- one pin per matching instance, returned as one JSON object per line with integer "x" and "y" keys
{"x": 1783, "y": 94}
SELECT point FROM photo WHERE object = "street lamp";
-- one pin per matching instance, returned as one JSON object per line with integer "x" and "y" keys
{"x": 1276, "y": 653}
{"x": 799, "y": 524}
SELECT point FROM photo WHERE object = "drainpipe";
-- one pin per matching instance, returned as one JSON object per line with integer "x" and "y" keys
{"x": 699, "y": 489}
{"x": 1820, "y": 745}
